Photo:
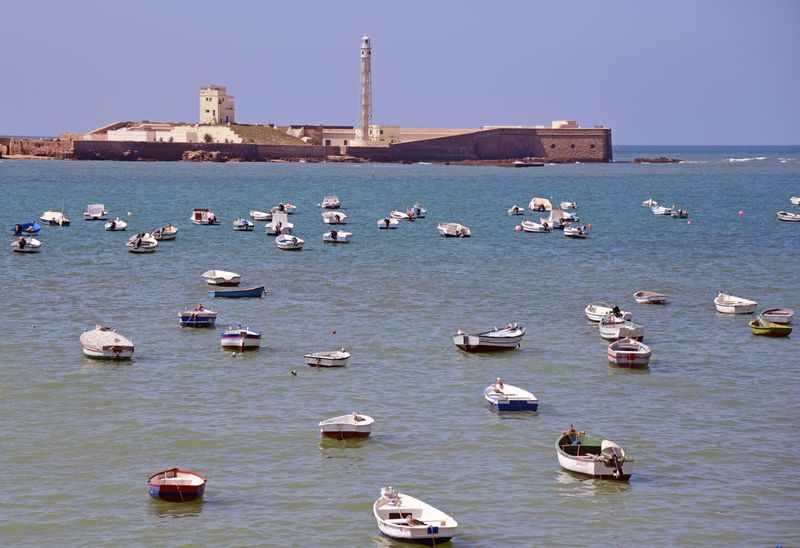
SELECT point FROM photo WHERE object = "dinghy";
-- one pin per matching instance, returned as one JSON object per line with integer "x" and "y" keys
{"x": 540, "y": 204}
{"x": 334, "y": 218}
{"x": 530, "y": 226}
{"x": 330, "y": 202}
{"x": 597, "y": 311}
{"x": 762, "y": 327}
{"x": 418, "y": 211}
{"x": 354, "y": 425}
{"x": 105, "y": 343}
{"x": 649, "y": 203}
{"x": 387, "y": 222}
{"x": 650, "y": 297}
{"x": 516, "y": 210}
{"x": 222, "y": 278}
{"x": 117, "y": 225}
{"x": 401, "y": 216}
{"x": 402, "y": 517}
{"x": 336, "y": 237}
{"x": 679, "y": 213}
{"x": 54, "y": 218}
{"x": 142, "y": 243}
{"x": 790, "y": 217}
{"x": 95, "y": 212}
{"x": 25, "y": 229}
{"x": 203, "y": 216}
{"x": 576, "y": 232}
{"x": 289, "y": 243}
{"x": 26, "y": 244}
{"x": 778, "y": 315}
{"x": 506, "y": 338}
{"x": 240, "y": 338}
{"x": 337, "y": 358}
{"x": 260, "y": 215}
{"x": 569, "y": 205}
{"x": 166, "y": 232}
{"x": 505, "y": 397}
{"x": 279, "y": 224}
{"x": 613, "y": 328}
{"x": 176, "y": 485}
{"x": 200, "y": 316}
{"x": 243, "y": 225}
{"x": 592, "y": 456}
{"x": 661, "y": 210}
{"x": 728, "y": 304}
{"x": 257, "y": 291}
{"x": 795, "y": 200}
{"x": 629, "y": 353}
{"x": 453, "y": 230}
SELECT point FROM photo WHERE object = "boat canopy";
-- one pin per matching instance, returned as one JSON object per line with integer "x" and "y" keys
{"x": 540, "y": 204}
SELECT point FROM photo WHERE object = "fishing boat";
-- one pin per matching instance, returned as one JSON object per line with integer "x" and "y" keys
{"x": 597, "y": 311}
{"x": 334, "y": 218}
{"x": 240, "y": 338}
{"x": 661, "y": 210}
{"x": 337, "y": 358}
{"x": 287, "y": 242}
{"x": 728, "y": 304}
{"x": 790, "y": 217}
{"x": 95, "y": 212}
{"x": 505, "y": 397}
{"x": 418, "y": 211}
{"x": 354, "y": 425}
{"x": 650, "y": 297}
{"x": 117, "y": 225}
{"x": 257, "y": 291}
{"x": 199, "y": 316}
{"x": 336, "y": 237}
{"x": 531, "y": 226}
{"x": 279, "y": 224}
{"x": 576, "y": 232}
{"x": 402, "y": 517}
{"x": 176, "y": 485}
{"x": 166, "y": 232}
{"x": 105, "y": 343}
{"x": 260, "y": 215}
{"x": 778, "y": 315}
{"x": 330, "y": 202}
{"x": 629, "y": 353}
{"x": 516, "y": 210}
{"x": 26, "y": 244}
{"x": 243, "y": 225}
{"x": 568, "y": 205}
{"x": 388, "y": 222}
{"x": 679, "y": 213}
{"x": 22, "y": 229}
{"x": 142, "y": 243}
{"x": 613, "y": 328}
{"x": 203, "y": 216}
{"x": 540, "y": 204}
{"x": 507, "y": 338}
{"x": 649, "y": 203}
{"x": 762, "y": 327}
{"x": 221, "y": 277}
{"x": 453, "y": 230}
{"x": 795, "y": 200}
{"x": 592, "y": 456}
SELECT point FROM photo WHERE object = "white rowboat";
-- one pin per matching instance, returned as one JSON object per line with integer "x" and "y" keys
{"x": 650, "y": 297}
{"x": 116, "y": 225}
{"x": 26, "y": 245}
{"x": 221, "y": 278}
{"x": 105, "y": 343}
{"x": 337, "y": 358}
{"x": 613, "y": 328}
{"x": 402, "y": 517}
{"x": 336, "y": 237}
{"x": 453, "y": 230}
{"x": 778, "y": 315}
{"x": 597, "y": 311}
{"x": 354, "y": 425}
{"x": 629, "y": 353}
{"x": 728, "y": 304}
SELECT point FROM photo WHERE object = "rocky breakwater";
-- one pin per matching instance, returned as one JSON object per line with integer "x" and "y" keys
{"x": 659, "y": 160}
{"x": 208, "y": 156}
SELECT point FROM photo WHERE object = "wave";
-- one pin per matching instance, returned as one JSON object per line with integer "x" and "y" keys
{"x": 693, "y": 162}
{"x": 746, "y": 159}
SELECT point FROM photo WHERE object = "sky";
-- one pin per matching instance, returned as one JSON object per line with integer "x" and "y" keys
{"x": 681, "y": 72}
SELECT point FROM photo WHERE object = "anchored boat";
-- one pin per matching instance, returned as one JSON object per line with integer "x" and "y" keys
{"x": 354, "y": 425}
{"x": 176, "y": 485}
{"x": 507, "y": 338}
{"x": 105, "y": 343}
{"x": 592, "y": 456}
{"x": 402, "y": 517}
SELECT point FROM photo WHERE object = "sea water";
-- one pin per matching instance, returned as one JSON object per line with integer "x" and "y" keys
{"x": 712, "y": 423}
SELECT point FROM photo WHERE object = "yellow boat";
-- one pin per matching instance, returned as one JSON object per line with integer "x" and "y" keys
{"x": 760, "y": 326}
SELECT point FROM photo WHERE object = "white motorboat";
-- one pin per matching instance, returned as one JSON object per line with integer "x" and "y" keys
{"x": 786, "y": 216}
{"x": 330, "y": 202}
{"x": 516, "y": 210}
{"x": 795, "y": 200}
{"x": 507, "y": 338}
{"x": 279, "y": 224}
{"x": 289, "y": 242}
{"x": 203, "y": 216}
{"x": 54, "y": 218}
{"x": 402, "y": 517}
{"x": 243, "y": 225}
{"x": 26, "y": 244}
{"x": 778, "y": 315}
{"x": 679, "y": 213}
{"x": 629, "y": 353}
{"x": 649, "y": 203}
{"x": 661, "y": 210}
{"x": 95, "y": 212}
{"x": 284, "y": 207}
{"x": 597, "y": 311}
{"x": 614, "y": 328}
{"x": 166, "y": 232}
{"x": 116, "y": 225}
{"x": 336, "y": 237}
{"x": 260, "y": 215}
{"x": 418, "y": 211}
{"x": 593, "y": 456}
{"x": 453, "y": 230}
{"x": 576, "y": 232}
{"x": 540, "y": 204}
{"x": 105, "y": 343}
{"x": 221, "y": 278}
{"x": 728, "y": 304}
{"x": 240, "y": 338}
{"x": 530, "y": 226}
{"x": 401, "y": 216}
{"x": 334, "y": 218}
{"x": 558, "y": 219}
{"x": 568, "y": 205}
{"x": 354, "y": 425}
{"x": 388, "y": 222}
{"x": 142, "y": 243}
{"x": 650, "y": 297}
{"x": 337, "y": 358}
{"x": 506, "y": 397}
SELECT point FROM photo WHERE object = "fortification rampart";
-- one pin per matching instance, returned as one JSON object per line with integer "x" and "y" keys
{"x": 57, "y": 148}
{"x": 172, "y": 152}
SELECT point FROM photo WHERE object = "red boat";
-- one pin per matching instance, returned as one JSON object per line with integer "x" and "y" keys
{"x": 176, "y": 485}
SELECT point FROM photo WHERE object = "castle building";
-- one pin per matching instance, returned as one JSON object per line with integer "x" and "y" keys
{"x": 216, "y": 106}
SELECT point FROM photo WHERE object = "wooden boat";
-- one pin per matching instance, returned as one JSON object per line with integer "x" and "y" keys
{"x": 795, "y": 200}
{"x": 629, "y": 353}
{"x": 257, "y": 291}
{"x": 388, "y": 222}
{"x": 200, "y": 316}
{"x": 661, "y": 210}
{"x": 790, "y": 217}
{"x": 354, "y": 425}
{"x": 203, "y": 216}
{"x": 762, "y": 327}
{"x": 576, "y": 232}
{"x": 260, "y": 215}
{"x": 54, "y": 218}
{"x": 597, "y": 311}
{"x": 778, "y": 315}
{"x": 593, "y": 456}
{"x": 540, "y": 204}
{"x": 530, "y": 226}
{"x": 613, "y": 328}
{"x": 507, "y": 338}
{"x": 679, "y": 213}
{"x": 142, "y": 243}
{"x": 516, "y": 210}
{"x": 728, "y": 304}
{"x": 26, "y": 244}
{"x": 337, "y": 358}
{"x": 418, "y": 211}
{"x": 649, "y": 203}
{"x": 23, "y": 229}
{"x": 288, "y": 242}
{"x": 117, "y": 225}
{"x": 650, "y": 297}
{"x": 105, "y": 343}
{"x": 453, "y": 230}
{"x": 336, "y": 237}
{"x": 95, "y": 212}
{"x": 402, "y": 517}
{"x": 243, "y": 225}
{"x": 334, "y": 218}
{"x": 330, "y": 202}
{"x": 176, "y": 485}
{"x": 279, "y": 224}
{"x": 222, "y": 278}
{"x": 166, "y": 232}
{"x": 240, "y": 338}
{"x": 505, "y": 397}
{"x": 568, "y": 205}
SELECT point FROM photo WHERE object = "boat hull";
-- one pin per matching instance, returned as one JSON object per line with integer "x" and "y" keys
{"x": 512, "y": 399}
{"x": 197, "y": 319}
{"x": 735, "y": 308}
{"x": 433, "y": 528}
{"x": 650, "y": 298}
{"x": 108, "y": 352}
{"x": 626, "y": 354}
{"x": 778, "y": 315}
{"x": 177, "y": 493}
{"x": 318, "y": 361}
{"x": 593, "y": 468}
{"x": 237, "y": 293}
{"x": 240, "y": 342}
{"x": 477, "y": 343}
{"x": 770, "y": 330}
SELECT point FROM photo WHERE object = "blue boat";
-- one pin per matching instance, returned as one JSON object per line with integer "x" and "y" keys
{"x": 238, "y": 293}
{"x": 504, "y": 397}
{"x": 199, "y": 317}
{"x": 21, "y": 229}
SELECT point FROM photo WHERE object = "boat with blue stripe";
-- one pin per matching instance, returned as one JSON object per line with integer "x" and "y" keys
{"x": 238, "y": 293}
{"x": 505, "y": 397}
{"x": 176, "y": 485}
{"x": 199, "y": 317}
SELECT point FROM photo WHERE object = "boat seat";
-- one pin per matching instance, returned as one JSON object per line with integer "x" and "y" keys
{"x": 575, "y": 450}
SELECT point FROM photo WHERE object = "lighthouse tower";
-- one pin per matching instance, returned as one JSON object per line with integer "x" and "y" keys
{"x": 365, "y": 107}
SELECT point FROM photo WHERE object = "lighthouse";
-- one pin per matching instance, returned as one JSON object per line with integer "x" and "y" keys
{"x": 365, "y": 105}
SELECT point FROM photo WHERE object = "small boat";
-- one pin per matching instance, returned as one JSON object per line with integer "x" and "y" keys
{"x": 597, "y": 311}
{"x": 257, "y": 291}
{"x": 728, "y": 304}
{"x": 679, "y": 213}
{"x": 661, "y": 210}
{"x": 540, "y": 204}
{"x": 402, "y": 517}
{"x": 176, "y": 485}
{"x": 203, "y": 216}
{"x": 289, "y": 243}
{"x": 243, "y": 225}
{"x": 516, "y": 210}
{"x": 453, "y": 230}
{"x": 505, "y": 397}
{"x": 568, "y": 205}
{"x": 593, "y": 456}
{"x": 530, "y": 226}
{"x": 650, "y": 297}
{"x": 388, "y": 222}
{"x": 241, "y": 338}
{"x": 287, "y": 208}
{"x": 613, "y": 328}
{"x": 354, "y": 425}
{"x": 778, "y": 315}
{"x": 336, "y": 237}
{"x": 54, "y": 218}
{"x": 795, "y": 200}
{"x": 95, "y": 212}
{"x": 142, "y": 243}
{"x": 523, "y": 163}
{"x": 337, "y": 358}
{"x": 330, "y": 202}
{"x": 786, "y": 216}
{"x": 576, "y": 232}
{"x": 629, "y": 353}
{"x": 166, "y": 232}
{"x": 418, "y": 211}
{"x": 558, "y": 219}
{"x": 762, "y": 327}
{"x": 200, "y": 316}
{"x": 26, "y": 244}
{"x": 260, "y": 215}
{"x": 117, "y": 225}
{"x": 279, "y": 224}
{"x": 506, "y": 338}
{"x": 334, "y": 218}
{"x": 21, "y": 229}
{"x": 221, "y": 278}
{"x": 401, "y": 216}
{"x": 105, "y": 343}
{"x": 649, "y": 203}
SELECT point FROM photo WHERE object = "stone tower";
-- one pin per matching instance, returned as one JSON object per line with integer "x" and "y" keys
{"x": 365, "y": 107}
{"x": 216, "y": 106}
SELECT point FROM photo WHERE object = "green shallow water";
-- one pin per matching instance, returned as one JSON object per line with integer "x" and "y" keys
{"x": 704, "y": 422}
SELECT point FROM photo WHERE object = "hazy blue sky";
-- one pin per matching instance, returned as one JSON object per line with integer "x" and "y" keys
{"x": 681, "y": 72}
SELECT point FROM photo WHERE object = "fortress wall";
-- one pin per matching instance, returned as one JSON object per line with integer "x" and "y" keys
{"x": 58, "y": 148}
{"x": 173, "y": 152}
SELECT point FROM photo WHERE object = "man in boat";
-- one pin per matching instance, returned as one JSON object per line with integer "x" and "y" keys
{"x": 21, "y": 243}
{"x": 573, "y": 434}
{"x": 334, "y": 234}
{"x": 617, "y": 314}
{"x": 113, "y": 225}
{"x": 498, "y": 386}
{"x": 17, "y": 229}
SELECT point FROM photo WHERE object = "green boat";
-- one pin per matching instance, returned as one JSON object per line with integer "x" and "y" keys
{"x": 593, "y": 456}
{"x": 762, "y": 327}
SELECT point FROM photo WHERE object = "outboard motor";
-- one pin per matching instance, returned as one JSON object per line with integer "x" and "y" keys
{"x": 613, "y": 455}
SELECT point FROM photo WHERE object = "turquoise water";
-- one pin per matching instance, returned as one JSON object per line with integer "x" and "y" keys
{"x": 707, "y": 423}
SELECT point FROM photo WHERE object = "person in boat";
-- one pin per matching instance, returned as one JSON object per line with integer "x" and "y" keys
{"x": 211, "y": 217}
{"x": 17, "y": 229}
{"x": 198, "y": 308}
{"x": 113, "y": 225}
{"x": 616, "y": 311}
{"x": 334, "y": 234}
{"x": 498, "y": 386}
{"x": 545, "y": 226}
{"x": 22, "y": 243}
{"x": 386, "y": 221}
{"x": 357, "y": 417}
{"x": 574, "y": 435}
{"x": 138, "y": 243}
{"x": 281, "y": 207}
{"x": 541, "y": 207}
